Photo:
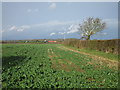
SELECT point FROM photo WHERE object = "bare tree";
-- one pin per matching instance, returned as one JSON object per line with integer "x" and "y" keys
{"x": 91, "y": 26}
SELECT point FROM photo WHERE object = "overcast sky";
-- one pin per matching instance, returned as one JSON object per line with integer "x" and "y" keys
{"x": 40, "y": 20}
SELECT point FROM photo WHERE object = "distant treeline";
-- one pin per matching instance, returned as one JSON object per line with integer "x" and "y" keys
{"x": 108, "y": 46}
{"x": 34, "y": 41}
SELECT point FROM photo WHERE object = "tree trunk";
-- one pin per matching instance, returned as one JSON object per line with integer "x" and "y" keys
{"x": 88, "y": 37}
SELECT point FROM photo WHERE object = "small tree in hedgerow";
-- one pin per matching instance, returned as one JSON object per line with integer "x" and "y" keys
{"x": 91, "y": 26}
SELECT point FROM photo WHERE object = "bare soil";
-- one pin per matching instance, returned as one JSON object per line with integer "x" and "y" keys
{"x": 61, "y": 63}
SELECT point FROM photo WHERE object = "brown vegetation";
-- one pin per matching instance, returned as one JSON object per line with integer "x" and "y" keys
{"x": 108, "y": 46}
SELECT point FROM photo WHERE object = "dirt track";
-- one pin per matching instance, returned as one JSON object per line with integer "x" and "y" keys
{"x": 97, "y": 59}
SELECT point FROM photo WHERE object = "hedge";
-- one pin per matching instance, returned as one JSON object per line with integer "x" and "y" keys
{"x": 108, "y": 46}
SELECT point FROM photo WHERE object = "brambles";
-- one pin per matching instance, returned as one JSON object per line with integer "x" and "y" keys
{"x": 47, "y": 66}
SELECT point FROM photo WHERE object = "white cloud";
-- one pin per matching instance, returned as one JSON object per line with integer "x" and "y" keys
{"x": 52, "y": 34}
{"x": 46, "y": 24}
{"x": 61, "y": 33}
{"x": 25, "y": 26}
{"x": 49, "y": 24}
{"x": 104, "y": 33}
{"x": 18, "y": 28}
{"x": 73, "y": 29}
{"x": 29, "y": 10}
{"x": 12, "y": 28}
{"x": 52, "y": 6}
{"x": 53, "y": 23}
{"x": 71, "y": 26}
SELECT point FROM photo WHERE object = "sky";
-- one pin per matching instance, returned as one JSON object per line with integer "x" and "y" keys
{"x": 52, "y": 20}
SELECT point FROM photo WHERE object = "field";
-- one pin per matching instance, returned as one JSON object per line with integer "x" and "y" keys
{"x": 54, "y": 66}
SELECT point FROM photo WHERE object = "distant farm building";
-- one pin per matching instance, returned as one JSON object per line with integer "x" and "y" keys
{"x": 52, "y": 41}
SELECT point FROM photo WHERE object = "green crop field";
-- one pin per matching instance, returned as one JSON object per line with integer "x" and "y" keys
{"x": 51, "y": 66}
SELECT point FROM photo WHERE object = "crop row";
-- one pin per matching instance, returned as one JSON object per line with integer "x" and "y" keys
{"x": 30, "y": 66}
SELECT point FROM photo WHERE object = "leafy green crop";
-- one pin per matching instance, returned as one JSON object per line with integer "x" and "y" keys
{"x": 48, "y": 66}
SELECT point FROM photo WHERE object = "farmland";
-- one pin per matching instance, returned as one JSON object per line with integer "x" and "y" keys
{"x": 52, "y": 66}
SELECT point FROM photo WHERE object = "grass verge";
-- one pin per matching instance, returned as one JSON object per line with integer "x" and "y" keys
{"x": 95, "y": 52}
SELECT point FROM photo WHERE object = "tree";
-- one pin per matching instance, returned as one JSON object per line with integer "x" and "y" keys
{"x": 91, "y": 26}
